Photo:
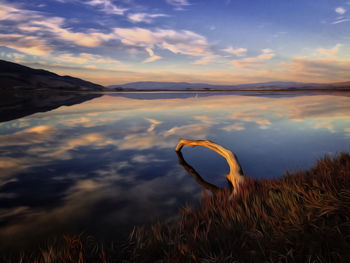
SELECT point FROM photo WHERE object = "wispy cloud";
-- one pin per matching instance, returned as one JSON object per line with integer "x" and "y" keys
{"x": 107, "y": 7}
{"x": 154, "y": 123}
{"x": 152, "y": 56}
{"x": 234, "y": 127}
{"x": 329, "y": 52}
{"x": 341, "y": 20}
{"x": 208, "y": 59}
{"x": 252, "y": 62}
{"x": 28, "y": 44}
{"x": 144, "y": 17}
{"x": 178, "y": 4}
{"x": 239, "y": 52}
{"x": 87, "y": 59}
{"x": 267, "y": 54}
{"x": 322, "y": 70}
{"x": 35, "y": 32}
{"x": 55, "y": 27}
{"x": 182, "y": 42}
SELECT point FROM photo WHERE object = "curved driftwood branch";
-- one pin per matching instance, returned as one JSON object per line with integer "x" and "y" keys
{"x": 212, "y": 188}
{"x": 235, "y": 176}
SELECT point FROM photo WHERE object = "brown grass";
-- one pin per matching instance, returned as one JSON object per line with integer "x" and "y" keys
{"x": 301, "y": 217}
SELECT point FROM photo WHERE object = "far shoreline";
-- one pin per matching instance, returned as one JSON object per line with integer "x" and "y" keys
{"x": 207, "y": 91}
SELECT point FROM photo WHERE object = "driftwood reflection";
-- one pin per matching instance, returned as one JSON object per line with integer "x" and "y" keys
{"x": 212, "y": 188}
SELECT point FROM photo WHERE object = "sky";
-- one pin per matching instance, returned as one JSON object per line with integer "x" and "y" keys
{"x": 208, "y": 41}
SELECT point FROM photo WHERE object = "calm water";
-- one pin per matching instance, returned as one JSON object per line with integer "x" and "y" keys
{"x": 108, "y": 164}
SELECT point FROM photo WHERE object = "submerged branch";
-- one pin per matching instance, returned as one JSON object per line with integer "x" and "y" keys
{"x": 235, "y": 176}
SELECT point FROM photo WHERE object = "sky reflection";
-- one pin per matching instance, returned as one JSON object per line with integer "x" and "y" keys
{"x": 108, "y": 164}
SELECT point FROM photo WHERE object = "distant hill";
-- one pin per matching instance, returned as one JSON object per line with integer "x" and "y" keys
{"x": 16, "y": 76}
{"x": 173, "y": 86}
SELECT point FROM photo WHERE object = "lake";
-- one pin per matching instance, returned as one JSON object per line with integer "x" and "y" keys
{"x": 108, "y": 164}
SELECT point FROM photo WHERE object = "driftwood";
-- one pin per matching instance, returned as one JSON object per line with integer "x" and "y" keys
{"x": 235, "y": 176}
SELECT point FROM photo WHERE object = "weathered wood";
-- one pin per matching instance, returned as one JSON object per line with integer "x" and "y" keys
{"x": 235, "y": 176}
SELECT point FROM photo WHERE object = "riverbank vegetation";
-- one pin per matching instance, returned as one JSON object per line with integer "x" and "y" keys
{"x": 301, "y": 217}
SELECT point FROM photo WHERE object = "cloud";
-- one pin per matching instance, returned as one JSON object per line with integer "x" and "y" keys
{"x": 263, "y": 124}
{"x": 267, "y": 54}
{"x": 54, "y": 26}
{"x": 107, "y": 7}
{"x": 204, "y": 61}
{"x": 234, "y": 127}
{"x": 87, "y": 59}
{"x": 322, "y": 70}
{"x": 249, "y": 116}
{"x": 154, "y": 123}
{"x": 144, "y": 17}
{"x": 182, "y": 42}
{"x": 27, "y": 44}
{"x": 36, "y": 34}
{"x": 152, "y": 56}
{"x": 36, "y": 134}
{"x": 325, "y": 125}
{"x": 8, "y": 12}
{"x": 178, "y": 4}
{"x": 340, "y": 10}
{"x": 190, "y": 130}
{"x": 329, "y": 52}
{"x": 341, "y": 20}
{"x": 239, "y": 52}
{"x": 247, "y": 63}
{"x": 13, "y": 56}
{"x": 145, "y": 158}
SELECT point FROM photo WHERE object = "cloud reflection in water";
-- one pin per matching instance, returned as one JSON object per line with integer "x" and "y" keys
{"x": 109, "y": 163}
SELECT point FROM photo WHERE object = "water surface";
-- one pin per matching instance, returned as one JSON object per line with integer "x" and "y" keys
{"x": 108, "y": 164}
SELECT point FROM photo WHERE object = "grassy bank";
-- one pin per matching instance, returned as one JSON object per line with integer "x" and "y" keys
{"x": 301, "y": 217}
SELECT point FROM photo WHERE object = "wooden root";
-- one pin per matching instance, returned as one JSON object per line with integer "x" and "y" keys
{"x": 235, "y": 176}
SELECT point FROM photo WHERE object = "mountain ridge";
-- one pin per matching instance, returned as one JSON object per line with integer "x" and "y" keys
{"x": 174, "y": 86}
{"x": 17, "y": 76}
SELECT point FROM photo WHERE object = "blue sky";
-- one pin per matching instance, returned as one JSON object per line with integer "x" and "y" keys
{"x": 214, "y": 41}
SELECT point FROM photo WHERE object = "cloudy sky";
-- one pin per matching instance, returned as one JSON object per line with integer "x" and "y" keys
{"x": 214, "y": 41}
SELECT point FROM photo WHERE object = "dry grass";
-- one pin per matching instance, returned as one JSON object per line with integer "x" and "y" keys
{"x": 302, "y": 217}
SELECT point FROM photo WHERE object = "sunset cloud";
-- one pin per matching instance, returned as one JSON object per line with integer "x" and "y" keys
{"x": 107, "y": 6}
{"x": 183, "y": 42}
{"x": 239, "y": 52}
{"x": 36, "y": 32}
{"x": 205, "y": 60}
{"x": 144, "y": 17}
{"x": 152, "y": 56}
{"x": 55, "y": 27}
{"x": 267, "y": 54}
{"x": 28, "y": 44}
{"x": 111, "y": 42}
{"x": 329, "y": 52}
{"x": 327, "y": 69}
{"x": 87, "y": 59}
